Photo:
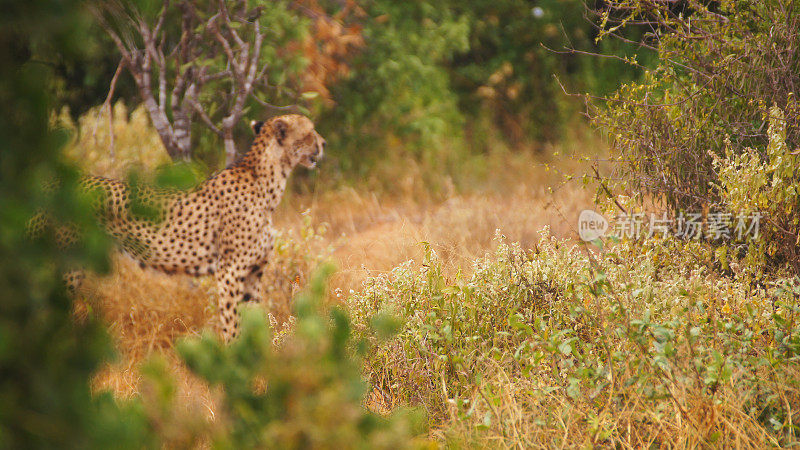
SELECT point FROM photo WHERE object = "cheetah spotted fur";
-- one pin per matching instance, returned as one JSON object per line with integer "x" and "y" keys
{"x": 223, "y": 227}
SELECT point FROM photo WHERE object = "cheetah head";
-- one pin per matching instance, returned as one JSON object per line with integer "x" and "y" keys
{"x": 295, "y": 134}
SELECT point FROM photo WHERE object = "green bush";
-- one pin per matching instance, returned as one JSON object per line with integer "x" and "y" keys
{"x": 302, "y": 388}
{"x": 450, "y": 327}
{"x": 46, "y": 357}
{"x": 516, "y": 51}
{"x": 432, "y": 73}
{"x": 722, "y": 66}
{"x": 751, "y": 183}
{"x": 398, "y": 84}
{"x": 640, "y": 343}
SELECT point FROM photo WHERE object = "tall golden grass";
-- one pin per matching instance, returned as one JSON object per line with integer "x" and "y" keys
{"x": 371, "y": 227}
{"x": 365, "y": 233}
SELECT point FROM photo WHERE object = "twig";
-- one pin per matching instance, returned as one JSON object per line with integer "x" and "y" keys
{"x": 292, "y": 107}
{"x": 607, "y": 191}
{"x": 107, "y": 105}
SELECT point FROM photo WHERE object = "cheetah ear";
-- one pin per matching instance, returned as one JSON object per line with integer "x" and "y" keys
{"x": 256, "y": 125}
{"x": 281, "y": 128}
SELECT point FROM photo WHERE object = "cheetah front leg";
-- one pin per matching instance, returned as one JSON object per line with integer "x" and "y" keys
{"x": 253, "y": 288}
{"x": 230, "y": 284}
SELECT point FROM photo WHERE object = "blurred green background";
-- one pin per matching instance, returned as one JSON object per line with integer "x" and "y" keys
{"x": 430, "y": 81}
{"x": 447, "y": 78}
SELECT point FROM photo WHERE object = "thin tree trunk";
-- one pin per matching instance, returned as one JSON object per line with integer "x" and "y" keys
{"x": 230, "y": 147}
{"x": 162, "y": 126}
{"x": 183, "y": 132}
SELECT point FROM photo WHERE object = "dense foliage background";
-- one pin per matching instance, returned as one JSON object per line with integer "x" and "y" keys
{"x": 634, "y": 343}
{"x": 427, "y": 73}
{"x": 45, "y": 357}
{"x": 715, "y": 124}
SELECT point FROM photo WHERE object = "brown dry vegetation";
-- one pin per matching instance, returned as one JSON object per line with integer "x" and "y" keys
{"x": 524, "y": 340}
{"x": 364, "y": 232}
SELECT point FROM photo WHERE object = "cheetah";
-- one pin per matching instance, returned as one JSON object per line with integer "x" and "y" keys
{"x": 223, "y": 227}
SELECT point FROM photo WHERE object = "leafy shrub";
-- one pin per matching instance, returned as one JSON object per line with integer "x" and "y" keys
{"x": 449, "y": 327}
{"x": 307, "y": 392}
{"x": 722, "y": 65}
{"x": 431, "y": 73}
{"x": 46, "y": 358}
{"x": 639, "y": 344}
{"x": 398, "y": 84}
{"x": 515, "y": 50}
{"x": 752, "y": 183}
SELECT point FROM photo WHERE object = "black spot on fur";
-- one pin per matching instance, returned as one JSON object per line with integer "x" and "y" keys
{"x": 281, "y": 128}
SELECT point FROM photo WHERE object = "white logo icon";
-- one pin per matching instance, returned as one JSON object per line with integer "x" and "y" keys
{"x": 591, "y": 225}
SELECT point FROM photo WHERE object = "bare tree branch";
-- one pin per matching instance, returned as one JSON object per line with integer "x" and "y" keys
{"x": 202, "y": 63}
{"x": 107, "y": 106}
{"x": 275, "y": 107}
{"x": 204, "y": 116}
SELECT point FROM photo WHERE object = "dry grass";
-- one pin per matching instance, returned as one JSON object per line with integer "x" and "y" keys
{"x": 146, "y": 312}
{"x": 368, "y": 234}
{"x": 522, "y": 412}
{"x": 372, "y": 233}
{"x": 365, "y": 234}
{"x": 370, "y": 228}
{"x": 366, "y": 230}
